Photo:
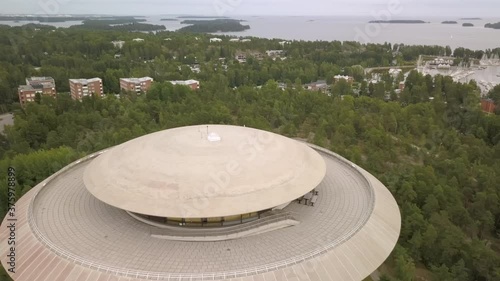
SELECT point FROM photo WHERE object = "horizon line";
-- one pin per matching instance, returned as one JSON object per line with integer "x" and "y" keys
{"x": 228, "y": 16}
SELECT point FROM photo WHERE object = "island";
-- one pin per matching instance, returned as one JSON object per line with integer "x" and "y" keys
{"x": 201, "y": 17}
{"x": 169, "y": 20}
{"x": 397, "y": 21}
{"x": 210, "y": 26}
{"x": 449, "y": 22}
{"x": 471, "y": 19}
{"x": 493, "y": 25}
{"x": 467, "y": 24}
{"x": 122, "y": 26}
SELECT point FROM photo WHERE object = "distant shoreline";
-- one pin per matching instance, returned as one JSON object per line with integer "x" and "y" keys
{"x": 399, "y": 21}
{"x": 56, "y": 19}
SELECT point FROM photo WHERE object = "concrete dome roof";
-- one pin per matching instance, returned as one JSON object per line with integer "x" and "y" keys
{"x": 204, "y": 171}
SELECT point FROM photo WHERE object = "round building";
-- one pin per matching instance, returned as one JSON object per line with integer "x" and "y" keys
{"x": 207, "y": 202}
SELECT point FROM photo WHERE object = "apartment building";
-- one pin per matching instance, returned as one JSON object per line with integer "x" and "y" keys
{"x": 85, "y": 87}
{"x": 34, "y": 85}
{"x": 137, "y": 85}
{"x": 193, "y": 84}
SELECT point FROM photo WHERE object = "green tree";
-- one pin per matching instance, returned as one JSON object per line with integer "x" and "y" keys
{"x": 404, "y": 266}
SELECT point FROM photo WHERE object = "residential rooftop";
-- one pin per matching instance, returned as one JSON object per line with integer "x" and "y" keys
{"x": 184, "y": 82}
{"x": 137, "y": 80}
{"x": 39, "y": 79}
{"x": 85, "y": 81}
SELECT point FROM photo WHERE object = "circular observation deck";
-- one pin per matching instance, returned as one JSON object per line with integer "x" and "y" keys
{"x": 66, "y": 233}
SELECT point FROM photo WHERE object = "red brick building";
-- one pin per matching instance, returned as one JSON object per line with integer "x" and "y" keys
{"x": 85, "y": 87}
{"x": 42, "y": 85}
{"x": 136, "y": 85}
{"x": 488, "y": 106}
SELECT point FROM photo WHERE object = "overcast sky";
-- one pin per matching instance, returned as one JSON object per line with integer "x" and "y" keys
{"x": 405, "y": 8}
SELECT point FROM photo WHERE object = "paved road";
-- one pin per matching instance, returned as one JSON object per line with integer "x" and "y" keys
{"x": 6, "y": 119}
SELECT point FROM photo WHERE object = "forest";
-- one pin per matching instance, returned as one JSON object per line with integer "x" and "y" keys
{"x": 439, "y": 157}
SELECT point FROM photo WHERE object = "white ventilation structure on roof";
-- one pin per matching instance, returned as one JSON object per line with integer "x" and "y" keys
{"x": 213, "y": 137}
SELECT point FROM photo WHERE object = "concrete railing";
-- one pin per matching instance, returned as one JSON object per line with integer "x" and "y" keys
{"x": 117, "y": 271}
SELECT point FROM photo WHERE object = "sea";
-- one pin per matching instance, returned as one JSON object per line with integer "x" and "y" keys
{"x": 351, "y": 28}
